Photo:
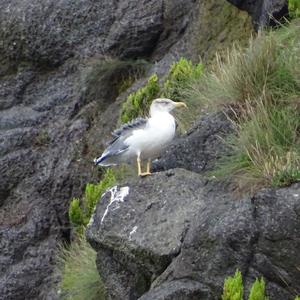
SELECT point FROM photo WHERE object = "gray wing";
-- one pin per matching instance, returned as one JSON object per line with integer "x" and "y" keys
{"x": 117, "y": 145}
{"x": 126, "y": 129}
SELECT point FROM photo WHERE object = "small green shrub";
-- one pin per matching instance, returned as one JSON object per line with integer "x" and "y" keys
{"x": 138, "y": 103}
{"x": 79, "y": 276}
{"x": 80, "y": 215}
{"x": 257, "y": 291}
{"x": 233, "y": 287}
{"x": 294, "y": 8}
{"x": 179, "y": 77}
{"x": 76, "y": 214}
{"x": 176, "y": 82}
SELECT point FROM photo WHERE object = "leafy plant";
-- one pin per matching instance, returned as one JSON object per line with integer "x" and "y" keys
{"x": 138, "y": 103}
{"x": 294, "y": 8}
{"x": 233, "y": 287}
{"x": 180, "y": 75}
{"x": 76, "y": 214}
{"x": 257, "y": 291}
{"x": 80, "y": 278}
{"x": 80, "y": 215}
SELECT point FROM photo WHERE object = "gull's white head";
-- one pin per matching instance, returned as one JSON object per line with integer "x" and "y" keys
{"x": 164, "y": 105}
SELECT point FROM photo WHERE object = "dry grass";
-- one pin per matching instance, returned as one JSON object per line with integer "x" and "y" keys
{"x": 261, "y": 84}
{"x": 80, "y": 278}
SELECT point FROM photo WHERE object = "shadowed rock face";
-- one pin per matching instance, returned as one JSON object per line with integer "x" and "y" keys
{"x": 263, "y": 12}
{"x": 177, "y": 236}
{"x": 200, "y": 148}
{"x": 46, "y": 119}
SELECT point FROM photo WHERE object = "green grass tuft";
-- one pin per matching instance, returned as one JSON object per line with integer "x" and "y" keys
{"x": 80, "y": 215}
{"x": 257, "y": 291}
{"x": 267, "y": 67}
{"x": 138, "y": 103}
{"x": 180, "y": 75}
{"x": 176, "y": 82}
{"x": 294, "y": 8}
{"x": 80, "y": 278}
{"x": 233, "y": 287}
{"x": 261, "y": 85}
{"x": 266, "y": 147}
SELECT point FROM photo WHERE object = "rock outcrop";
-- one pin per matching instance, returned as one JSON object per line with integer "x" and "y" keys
{"x": 200, "y": 148}
{"x": 176, "y": 235}
{"x": 263, "y": 12}
{"x": 49, "y": 127}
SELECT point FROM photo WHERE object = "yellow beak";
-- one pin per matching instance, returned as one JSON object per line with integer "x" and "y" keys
{"x": 180, "y": 104}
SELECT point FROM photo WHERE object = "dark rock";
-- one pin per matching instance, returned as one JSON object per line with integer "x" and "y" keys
{"x": 200, "y": 148}
{"x": 52, "y": 124}
{"x": 53, "y": 120}
{"x": 263, "y": 12}
{"x": 48, "y": 33}
{"x": 149, "y": 231}
{"x": 180, "y": 290}
{"x": 182, "y": 243}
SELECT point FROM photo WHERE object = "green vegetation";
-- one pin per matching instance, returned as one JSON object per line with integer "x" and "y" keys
{"x": 260, "y": 89}
{"x": 176, "y": 82}
{"x": 294, "y": 8}
{"x": 233, "y": 287}
{"x": 266, "y": 68}
{"x": 138, "y": 103}
{"x": 80, "y": 278}
{"x": 257, "y": 291}
{"x": 80, "y": 215}
{"x": 180, "y": 75}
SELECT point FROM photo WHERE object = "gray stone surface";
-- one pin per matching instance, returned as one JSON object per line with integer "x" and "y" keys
{"x": 50, "y": 126}
{"x": 200, "y": 148}
{"x": 151, "y": 226}
{"x": 50, "y": 32}
{"x": 191, "y": 234}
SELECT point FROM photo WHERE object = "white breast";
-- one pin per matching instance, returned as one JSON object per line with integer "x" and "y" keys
{"x": 151, "y": 140}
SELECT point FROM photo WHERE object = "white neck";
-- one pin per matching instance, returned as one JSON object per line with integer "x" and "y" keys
{"x": 155, "y": 110}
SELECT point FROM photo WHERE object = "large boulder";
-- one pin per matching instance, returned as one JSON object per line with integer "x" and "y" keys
{"x": 175, "y": 235}
{"x": 154, "y": 215}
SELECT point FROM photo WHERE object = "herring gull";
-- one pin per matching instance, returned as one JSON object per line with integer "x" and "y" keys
{"x": 142, "y": 139}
